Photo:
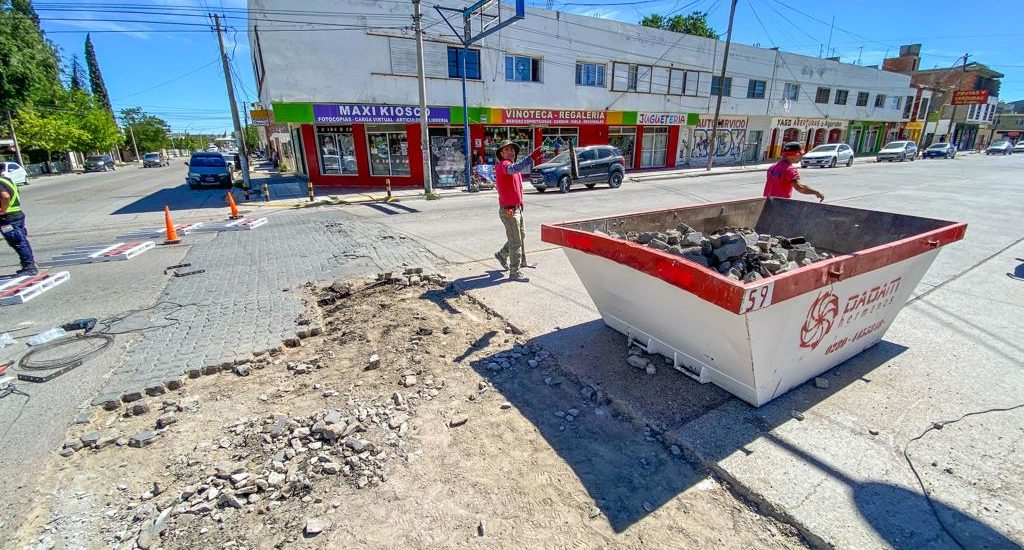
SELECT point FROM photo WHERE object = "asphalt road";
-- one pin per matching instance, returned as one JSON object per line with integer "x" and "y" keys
{"x": 68, "y": 211}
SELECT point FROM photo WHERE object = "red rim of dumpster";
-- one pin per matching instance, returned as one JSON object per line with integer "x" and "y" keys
{"x": 727, "y": 293}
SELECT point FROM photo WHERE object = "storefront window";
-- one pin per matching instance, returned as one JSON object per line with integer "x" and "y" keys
{"x": 494, "y": 135}
{"x": 655, "y": 145}
{"x": 447, "y": 156}
{"x": 336, "y": 150}
{"x": 625, "y": 139}
{"x": 554, "y": 140}
{"x": 389, "y": 150}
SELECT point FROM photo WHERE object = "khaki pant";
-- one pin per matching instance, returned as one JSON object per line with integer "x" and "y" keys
{"x": 514, "y": 234}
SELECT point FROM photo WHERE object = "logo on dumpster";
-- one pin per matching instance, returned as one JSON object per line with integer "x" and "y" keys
{"x": 819, "y": 320}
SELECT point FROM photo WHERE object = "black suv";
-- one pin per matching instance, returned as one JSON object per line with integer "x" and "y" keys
{"x": 208, "y": 169}
{"x": 598, "y": 163}
{"x": 99, "y": 163}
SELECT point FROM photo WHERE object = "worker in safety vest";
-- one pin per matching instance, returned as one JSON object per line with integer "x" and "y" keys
{"x": 12, "y": 225}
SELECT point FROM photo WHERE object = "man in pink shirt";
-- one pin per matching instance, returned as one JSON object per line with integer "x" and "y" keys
{"x": 509, "y": 183}
{"x": 783, "y": 177}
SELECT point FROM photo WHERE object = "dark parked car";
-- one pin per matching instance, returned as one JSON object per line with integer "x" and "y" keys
{"x": 154, "y": 159}
{"x": 208, "y": 169}
{"x": 1000, "y": 148}
{"x": 940, "y": 150}
{"x": 99, "y": 163}
{"x": 597, "y": 163}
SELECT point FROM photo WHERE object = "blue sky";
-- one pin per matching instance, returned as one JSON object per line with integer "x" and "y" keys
{"x": 164, "y": 58}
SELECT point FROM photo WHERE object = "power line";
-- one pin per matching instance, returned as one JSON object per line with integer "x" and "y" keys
{"x": 175, "y": 79}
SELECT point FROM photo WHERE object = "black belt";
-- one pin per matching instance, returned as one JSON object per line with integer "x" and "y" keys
{"x": 516, "y": 207}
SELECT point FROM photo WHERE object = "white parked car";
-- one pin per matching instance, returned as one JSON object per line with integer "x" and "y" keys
{"x": 14, "y": 172}
{"x": 828, "y": 155}
{"x": 1019, "y": 148}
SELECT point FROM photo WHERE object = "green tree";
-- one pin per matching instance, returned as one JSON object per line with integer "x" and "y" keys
{"x": 99, "y": 132}
{"x": 151, "y": 132}
{"x": 252, "y": 137}
{"x": 696, "y": 24}
{"x": 99, "y": 88}
{"x": 29, "y": 67}
{"x": 51, "y": 131}
{"x": 77, "y": 76}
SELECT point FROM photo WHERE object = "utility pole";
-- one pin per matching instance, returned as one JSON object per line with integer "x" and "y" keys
{"x": 713, "y": 146}
{"x": 14, "y": 137}
{"x": 243, "y": 153}
{"x": 135, "y": 147}
{"x": 952, "y": 117}
{"x": 832, "y": 26}
{"x": 428, "y": 176}
{"x": 860, "y": 52}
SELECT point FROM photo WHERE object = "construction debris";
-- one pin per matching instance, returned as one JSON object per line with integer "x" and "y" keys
{"x": 738, "y": 253}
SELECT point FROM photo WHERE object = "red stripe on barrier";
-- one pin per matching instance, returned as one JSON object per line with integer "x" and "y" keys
{"x": 21, "y": 286}
{"x": 121, "y": 249}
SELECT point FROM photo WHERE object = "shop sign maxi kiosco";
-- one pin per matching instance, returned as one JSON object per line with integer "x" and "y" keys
{"x": 372, "y": 113}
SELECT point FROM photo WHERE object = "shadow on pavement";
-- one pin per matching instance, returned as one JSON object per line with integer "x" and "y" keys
{"x": 491, "y": 278}
{"x": 901, "y": 516}
{"x": 178, "y": 198}
{"x": 390, "y": 208}
{"x": 627, "y": 488}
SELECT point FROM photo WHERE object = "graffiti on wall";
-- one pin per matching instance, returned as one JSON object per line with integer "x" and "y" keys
{"x": 728, "y": 149}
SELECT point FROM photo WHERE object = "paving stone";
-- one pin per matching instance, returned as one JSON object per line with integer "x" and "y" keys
{"x": 245, "y": 312}
{"x": 141, "y": 438}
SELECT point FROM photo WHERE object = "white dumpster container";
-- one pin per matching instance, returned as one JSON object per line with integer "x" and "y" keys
{"x": 760, "y": 339}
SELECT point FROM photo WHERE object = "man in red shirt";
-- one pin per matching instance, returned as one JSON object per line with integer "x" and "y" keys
{"x": 509, "y": 183}
{"x": 783, "y": 177}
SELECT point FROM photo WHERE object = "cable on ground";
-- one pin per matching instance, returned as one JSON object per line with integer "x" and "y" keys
{"x": 938, "y": 426}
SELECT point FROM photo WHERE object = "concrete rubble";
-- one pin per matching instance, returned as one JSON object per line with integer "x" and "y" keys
{"x": 741, "y": 254}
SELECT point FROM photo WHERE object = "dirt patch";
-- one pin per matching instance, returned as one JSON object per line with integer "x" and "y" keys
{"x": 415, "y": 419}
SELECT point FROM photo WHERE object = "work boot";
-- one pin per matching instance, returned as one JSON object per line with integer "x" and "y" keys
{"x": 518, "y": 277}
{"x": 28, "y": 270}
{"x": 501, "y": 260}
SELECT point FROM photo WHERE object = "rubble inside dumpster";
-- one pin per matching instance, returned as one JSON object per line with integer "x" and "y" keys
{"x": 741, "y": 253}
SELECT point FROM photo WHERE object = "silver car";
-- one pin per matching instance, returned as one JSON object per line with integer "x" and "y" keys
{"x": 897, "y": 150}
{"x": 829, "y": 155}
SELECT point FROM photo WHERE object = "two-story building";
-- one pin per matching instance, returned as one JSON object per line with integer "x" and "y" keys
{"x": 343, "y": 78}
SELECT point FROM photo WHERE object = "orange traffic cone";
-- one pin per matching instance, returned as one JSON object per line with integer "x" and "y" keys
{"x": 234, "y": 209}
{"x": 172, "y": 234}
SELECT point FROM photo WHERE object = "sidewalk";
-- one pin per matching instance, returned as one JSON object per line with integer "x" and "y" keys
{"x": 292, "y": 191}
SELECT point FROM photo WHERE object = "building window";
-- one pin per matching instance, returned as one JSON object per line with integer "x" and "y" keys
{"x": 336, "y": 150}
{"x": 655, "y": 147}
{"x": 922, "y": 110}
{"x": 908, "y": 106}
{"x": 791, "y": 92}
{"x": 862, "y": 99}
{"x": 494, "y": 135}
{"x": 822, "y": 95}
{"x": 970, "y": 112}
{"x": 590, "y": 74}
{"x": 841, "y": 96}
{"x": 755, "y": 89}
{"x": 522, "y": 69}
{"x": 880, "y": 100}
{"x": 556, "y": 140}
{"x": 991, "y": 113}
{"x": 455, "y": 63}
{"x": 895, "y": 102}
{"x": 388, "y": 150}
{"x": 716, "y": 86}
{"x": 623, "y": 137}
